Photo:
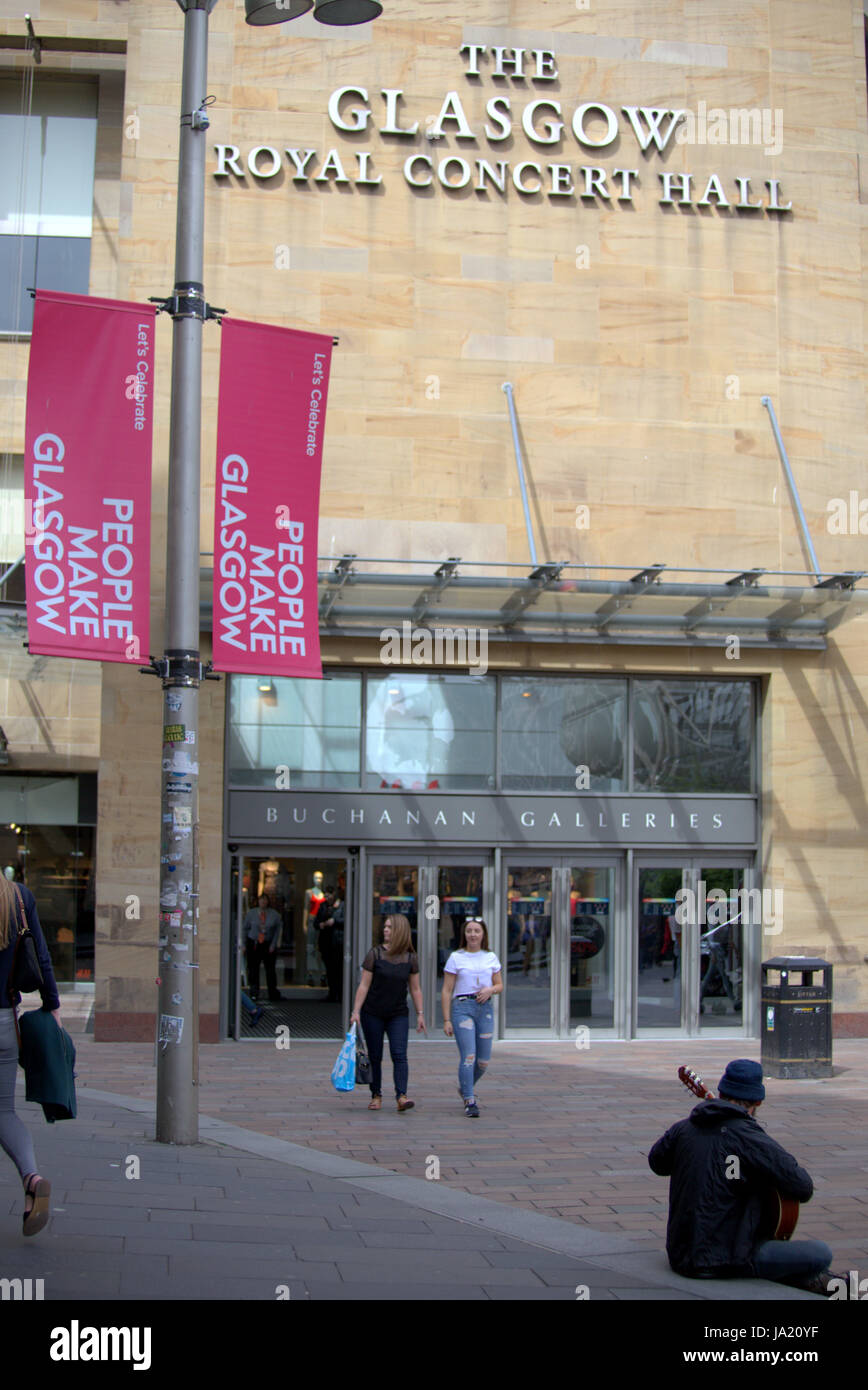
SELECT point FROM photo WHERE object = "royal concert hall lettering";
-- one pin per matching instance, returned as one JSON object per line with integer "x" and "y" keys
{"x": 594, "y": 127}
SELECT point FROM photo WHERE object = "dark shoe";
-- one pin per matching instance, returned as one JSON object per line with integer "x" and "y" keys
{"x": 40, "y": 1190}
{"x": 256, "y": 1016}
{"x": 815, "y": 1283}
{"x": 829, "y": 1275}
{"x": 471, "y": 1109}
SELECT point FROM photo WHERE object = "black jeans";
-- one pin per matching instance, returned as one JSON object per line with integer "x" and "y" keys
{"x": 398, "y": 1029}
{"x": 256, "y": 953}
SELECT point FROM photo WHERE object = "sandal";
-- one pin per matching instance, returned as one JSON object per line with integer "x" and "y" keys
{"x": 404, "y": 1104}
{"x": 376, "y": 1103}
{"x": 40, "y": 1190}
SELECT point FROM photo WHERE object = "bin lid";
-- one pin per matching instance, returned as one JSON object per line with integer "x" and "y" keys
{"x": 797, "y": 963}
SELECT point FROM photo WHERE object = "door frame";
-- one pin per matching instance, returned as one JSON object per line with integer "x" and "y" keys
{"x": 560, "y": 865}
{"x": 234, "y": 959}
{"x": 692, "y": 864}
{"x": 427, "y": 860}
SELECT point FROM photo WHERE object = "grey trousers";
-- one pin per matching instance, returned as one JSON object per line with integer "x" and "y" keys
{"x": 14, "y": 1136}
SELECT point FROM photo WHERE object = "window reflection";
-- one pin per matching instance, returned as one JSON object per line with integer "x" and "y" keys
{"x": 720, "y": 947}
{"x": 552, "y": 729}
{"x": 436, "y": 732}
{"x": 692, "y": 736}
{"x": 56, "y": 862}
{"x": 528, "y": 945}
{"x": 592, "y": 989}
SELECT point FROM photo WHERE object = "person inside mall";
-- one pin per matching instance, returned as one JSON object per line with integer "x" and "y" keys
{"x": 261, "y": 930}
{"x": 723, "y": 1167}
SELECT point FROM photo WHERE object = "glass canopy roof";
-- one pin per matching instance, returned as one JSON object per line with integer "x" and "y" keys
{"x": 597, "y": 604}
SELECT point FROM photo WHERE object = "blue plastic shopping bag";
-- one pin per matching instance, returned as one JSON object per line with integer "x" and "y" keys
{"x": 344, "y": 1069}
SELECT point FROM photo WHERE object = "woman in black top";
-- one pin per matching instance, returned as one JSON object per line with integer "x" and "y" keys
{"x": 380, "y": 1006}
{"x": 14, "y": 1137}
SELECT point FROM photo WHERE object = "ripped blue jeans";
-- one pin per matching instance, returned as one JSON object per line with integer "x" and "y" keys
{"x": 473, "y": 1026}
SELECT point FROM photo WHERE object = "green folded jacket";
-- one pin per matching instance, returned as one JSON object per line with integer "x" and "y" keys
{"x": 48, "y": 1058}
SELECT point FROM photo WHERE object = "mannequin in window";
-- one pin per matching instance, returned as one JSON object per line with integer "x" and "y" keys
{"x": 313, "y": 900}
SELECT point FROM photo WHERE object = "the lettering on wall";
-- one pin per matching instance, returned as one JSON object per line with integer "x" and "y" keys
{"x": 551, "y": 126}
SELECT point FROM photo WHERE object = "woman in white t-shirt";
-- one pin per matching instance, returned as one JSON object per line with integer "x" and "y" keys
{"x": 471, "y": 975}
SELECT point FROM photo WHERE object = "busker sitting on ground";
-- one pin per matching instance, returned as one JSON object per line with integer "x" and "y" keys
{"x": 721, "y": 1165}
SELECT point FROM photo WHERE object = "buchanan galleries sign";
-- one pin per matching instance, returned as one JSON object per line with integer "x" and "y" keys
{"x": 544, "y": 121}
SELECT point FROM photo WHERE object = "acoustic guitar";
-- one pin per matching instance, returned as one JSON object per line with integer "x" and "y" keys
{"x": 779, "y": 1214}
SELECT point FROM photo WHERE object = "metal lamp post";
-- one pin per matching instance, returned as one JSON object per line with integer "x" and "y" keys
{"x": 181, "y": 668}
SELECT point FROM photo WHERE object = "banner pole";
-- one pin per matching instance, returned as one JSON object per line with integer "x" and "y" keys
{"x": 177, "y": 1119}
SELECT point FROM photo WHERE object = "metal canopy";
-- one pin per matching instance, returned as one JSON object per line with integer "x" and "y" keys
{"x": 610, "y": 605}
{"x": 606, "y": 605}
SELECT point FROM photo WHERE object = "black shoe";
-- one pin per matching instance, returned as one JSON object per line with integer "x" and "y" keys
{"x": 815, "y": 1283}
{"x": 471, "y": 1109}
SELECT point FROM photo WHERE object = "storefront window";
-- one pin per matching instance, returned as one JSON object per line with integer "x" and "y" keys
{"x": 563, "y": 735}
{"x": 295, "y": 734}
{"x": 435, "y": 732}
{"x": 692, "y": 736}
{"x": 55, "y": 859}
{"x": 46, "y": 169}
{"x": 430, "y": 732}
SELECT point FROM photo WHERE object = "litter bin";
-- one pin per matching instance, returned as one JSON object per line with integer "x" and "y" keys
{"x": 796, "y": 1017}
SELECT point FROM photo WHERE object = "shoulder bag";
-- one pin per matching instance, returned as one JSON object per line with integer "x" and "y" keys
{"x": 26, "y": 973}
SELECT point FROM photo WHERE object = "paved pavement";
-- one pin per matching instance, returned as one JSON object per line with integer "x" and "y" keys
{"x": 246, "y": 1216}
{"x": 296, "y": 1189}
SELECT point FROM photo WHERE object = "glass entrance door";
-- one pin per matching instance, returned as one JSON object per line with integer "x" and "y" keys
{"x": 528, "y": 978}
{"x": 292, "y": 915}
{"x": 437, "y": 894}
{"x": 721, "y": 943}
{"x": 690, "y": 938}
{"x": 591, "y": 985}
{"x": 560, "y": 943}
{"x": 659, "y": 975}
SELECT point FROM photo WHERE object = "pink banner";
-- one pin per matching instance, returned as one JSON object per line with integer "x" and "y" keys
{"x": 273, "y": 390}
{"x": 87, "y": 478}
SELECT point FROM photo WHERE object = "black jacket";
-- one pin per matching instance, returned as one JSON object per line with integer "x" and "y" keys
{"x": 50, "y": 997}
{"x": 714, "y": 1220}
{"x": 48, "y": 1059}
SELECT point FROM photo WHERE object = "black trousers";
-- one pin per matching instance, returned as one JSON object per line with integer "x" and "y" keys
{"x": 331, "y": 948}
{"x": 398, "y": 1029}
{"x": 257, "y": 953}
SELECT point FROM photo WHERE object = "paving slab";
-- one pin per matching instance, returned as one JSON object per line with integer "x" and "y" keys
{"x": 548, "y": 1192}
{"x": 559, "y": 1127}
{"x": 415, "y": 1239}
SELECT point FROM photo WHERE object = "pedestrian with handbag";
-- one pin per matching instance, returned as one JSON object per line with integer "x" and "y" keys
{"x": 380, "y": 1007}
{"x": 24, "y": 964}
{"x": 471, "y": 975}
